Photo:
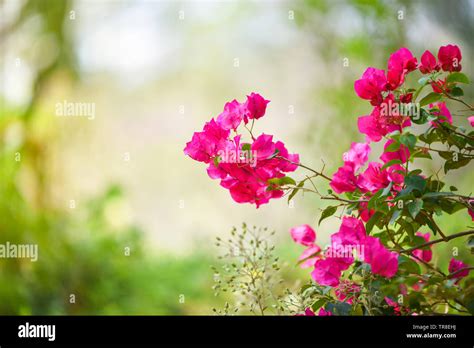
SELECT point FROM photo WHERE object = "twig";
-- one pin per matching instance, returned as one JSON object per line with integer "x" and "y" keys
{"x": 448, "y": 238}
{"x": 306, "y": 167}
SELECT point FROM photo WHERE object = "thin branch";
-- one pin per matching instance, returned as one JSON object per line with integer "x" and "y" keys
{"x": 451, "y": 275}
{"x": 448, "y": 238}
{"x": 306, "y": 167}
{"x": 470, "y": 107}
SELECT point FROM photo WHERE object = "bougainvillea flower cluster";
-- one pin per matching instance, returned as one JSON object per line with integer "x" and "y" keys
{"x": 374, "y": 190}
{"x": 365, "y": 178}
{"x": 374, "y": 177}
{"x": 352, "y": 239}
{"x": 244, "y": 168}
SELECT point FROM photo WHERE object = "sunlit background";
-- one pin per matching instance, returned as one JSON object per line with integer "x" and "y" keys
{"x": 87, "y": 188}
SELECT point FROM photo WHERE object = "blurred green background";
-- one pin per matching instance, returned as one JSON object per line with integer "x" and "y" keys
{"x": 123, "y": 220}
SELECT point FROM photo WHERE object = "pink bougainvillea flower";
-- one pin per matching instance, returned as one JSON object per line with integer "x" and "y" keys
{"x": 216, "y": 172}
{"x": 424, "y": 255}
{"x": 351, "y": 232}
{"x": 370, "y": 126}
{"x": 455, "y": 266}
{"x": 328, "y": 271}
{"x": 288, "y": 162}
{"x": 471, "y": 120}
{"x": 344, "y": 180}
{"x": 358, "y": 155}
{"x": 376, "y": 125}
{"x": 371, "y": 85}
{"x": 256, "y": 106}
{"x": 396, "y": 176}
{"x": 347, "y": 291}
{"x": 406, "y": 98}
{"x": 418, "y": 286}
{"x": 308, "y": 312}
{"x": 449, "y": 57}
{"x": 205, "y": 145}
{"x": 471, "y": 209}
{"x": 309, "y": 257}
{"x": 441, "y": 86}
{"x": 244, "y": 169}
{"x": 365, "y": 213}
{"x": 324, "y": 313}
{"x": 428, "y": 63}
{"x": 444, "y": 115}
{"x": 303, "y": 235}
{"x": 402, "y": 154}
{"x": 232, "y": 115}
{"x": 373, "y": 178}
{"x": 306, "y": 236}
{"x": 382, "y": 261}
{"x": 400, "y": 63}
{"x": 396, "y": 307}
{"x": 263, "y": 146}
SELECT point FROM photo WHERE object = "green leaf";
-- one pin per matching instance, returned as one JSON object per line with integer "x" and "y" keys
{"x": 327, "y": 212}
{"x": 421, "y": 154}
{"x": 457, "y": 77}
{"x": 434, "y": 185}
{"x": 412, "y": 183}
{"x": 318, "y": 304}
{"x": 430, "y": 98}
{"x": 470, "y": 242}
{"x": 295, "y": 190}
{"x": 393, "y": 146}
{"x": 414, "y": 207}
{"x": 408, "y": 265}
{"x": 421, "y": 118}
{"x": 415, "y": 172}
{"x": 461, "y": 162}
{"x": 417, "y": 240}
{"x": 372, "y": 221}
{"x": 386, "y": 190}
{"x": 286, "y": 180}
{"x": 373, "y": 200}
{"x": 450, "y": 207}
{"x": 447, "y": 155}
{"x": 416, "y": 182}
{"x": 396, "y": 214}
{"x": 430, "y": 136}
{"x": 246, "y": 147}
{"x": 407, "y": 227}
{"x": 408, "y": 140}
{"x": 457, "y": 92}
